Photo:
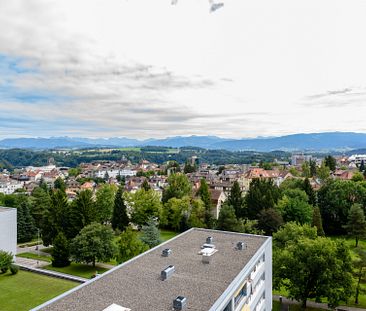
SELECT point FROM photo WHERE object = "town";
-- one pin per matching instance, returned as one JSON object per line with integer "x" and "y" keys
{"x": 133, "y": 207}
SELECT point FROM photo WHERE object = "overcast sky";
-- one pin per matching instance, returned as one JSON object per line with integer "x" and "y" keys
{"x": 143, "y": 68}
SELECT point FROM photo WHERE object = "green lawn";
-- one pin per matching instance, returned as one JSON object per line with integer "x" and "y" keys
{"x": 276, "y": 307}
{"x": 34, "y": 241}
{"x": 35, "y": 256}
{"x": 47, "y": 250}
{"x": 78, "y": 269}
{"x": 27, "y": 290}
{"x": 167, "y": 235}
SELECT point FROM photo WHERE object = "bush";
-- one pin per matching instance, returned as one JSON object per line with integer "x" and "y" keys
{"x": 14, "y": 269}
{"x": 6, "y": 259}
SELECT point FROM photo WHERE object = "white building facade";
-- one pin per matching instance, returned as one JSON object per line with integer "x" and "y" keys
{"x": 252, "y": 288}
{"x": 8, "y": 229}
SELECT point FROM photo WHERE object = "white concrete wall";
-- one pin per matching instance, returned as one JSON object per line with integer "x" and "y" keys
{"x": 252, "y": 302}
{"x": 8, "y": 230}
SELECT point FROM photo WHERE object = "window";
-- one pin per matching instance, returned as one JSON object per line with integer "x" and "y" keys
{"x": 242, "y": 293}
{"x": 228, "y": 307}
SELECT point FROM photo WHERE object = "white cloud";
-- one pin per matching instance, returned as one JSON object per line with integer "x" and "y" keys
{"x": 145, "y": 68}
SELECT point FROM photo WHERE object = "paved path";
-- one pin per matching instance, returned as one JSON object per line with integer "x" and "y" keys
{"x": 54, "y": 274}
{"x": 32, "y": 263}
{"x": 32, "y": 249}
{"x": 286, "y": 302}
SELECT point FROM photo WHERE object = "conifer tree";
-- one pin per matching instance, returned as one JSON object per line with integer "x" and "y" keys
{"x": 25, "y": 223}
{"x": 120, "y": 219}
{"x": 356, "y": 225}
{"x": 151, "y": 233}
{"x": 236, "y": 200}
{"x": 60, "y": 251}
{"x": 145, "y": 185}
{"x": 205, "y": 196}
{"x": 317, "y": 221}
{"x": 227, "y": 220}
{"x": 312, "y": 168}
{"x": 310, "y": 192}
{"x": 362, "y": 166}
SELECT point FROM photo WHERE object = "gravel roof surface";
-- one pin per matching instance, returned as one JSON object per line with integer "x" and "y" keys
{"x": 137, "y": 285}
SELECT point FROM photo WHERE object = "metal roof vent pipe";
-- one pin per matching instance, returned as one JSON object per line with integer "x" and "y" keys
{"x": 209, "y": 240}
{"x": 167, "y": 272}
{"x": 166, "y": 252}
{"x": 206, "y": 258}
{"x": 241, "y": 246}
{"x": 180, "y": 303}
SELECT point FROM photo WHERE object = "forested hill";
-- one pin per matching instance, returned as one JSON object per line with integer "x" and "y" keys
{"x": 15, "y": 158}
{"x": 330, "y": 141}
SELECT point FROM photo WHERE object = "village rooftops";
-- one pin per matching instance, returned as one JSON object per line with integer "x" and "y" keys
{"x": 137, "y": 284}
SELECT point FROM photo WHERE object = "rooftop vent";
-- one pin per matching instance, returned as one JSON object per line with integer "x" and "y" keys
{"x": 167, "y": 272}
{"x": 166, "y": 252}
{"x": 207, "y": 245}
{"x": 209, "y": 240}
{"x": 206, "y": 258}
{"x": 180, "y": 303}
{"x": 240, "y": 246}
{"x": 115, "y": 307}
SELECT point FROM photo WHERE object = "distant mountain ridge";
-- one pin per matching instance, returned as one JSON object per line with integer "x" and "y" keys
{"x": 337, "y": 141}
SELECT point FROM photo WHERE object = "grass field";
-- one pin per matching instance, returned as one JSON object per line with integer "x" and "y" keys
{"x": 167, "y": 235}
{"x": 277, "y": 307}
{"x": 35, "y": 256}
{"x": 47, "y": 250}
{"x": 78, "y": 269}
{"x": 27, "y": 290}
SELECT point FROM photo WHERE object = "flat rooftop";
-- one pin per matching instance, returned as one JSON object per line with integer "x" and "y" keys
{"x": 137, "y": 285}
{"x": 6, "y": 209}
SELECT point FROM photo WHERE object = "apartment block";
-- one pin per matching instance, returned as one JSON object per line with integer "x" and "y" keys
{"x": 8, "y": 229}
{"x": 200, "y": 269}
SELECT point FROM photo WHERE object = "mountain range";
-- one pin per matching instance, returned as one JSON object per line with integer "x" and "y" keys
{"x": 336, "y": 141}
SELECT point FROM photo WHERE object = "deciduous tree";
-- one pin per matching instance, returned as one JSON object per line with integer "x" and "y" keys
{"x": 129, "y": 245}
{"x": 308, "y": 266}
{"x": 105, "y": 203}
{"x": 269, "y": 221}
{"x": 144, "y": 204}
{"x": 178, "y": 187}
{"x": 294, "y": 206}
{"x": 94, "y": 242}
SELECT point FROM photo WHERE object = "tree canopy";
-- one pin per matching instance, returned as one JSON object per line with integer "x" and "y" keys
{"x": 311, "y": 267}
{"x": 94, "y": 242}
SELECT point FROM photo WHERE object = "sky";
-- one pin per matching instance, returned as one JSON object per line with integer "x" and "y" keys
{"x": 142, "y": 68}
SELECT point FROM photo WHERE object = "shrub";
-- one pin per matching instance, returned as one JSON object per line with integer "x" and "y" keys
{"x": 14, "y": 269}
{"x": 6, "y": 259}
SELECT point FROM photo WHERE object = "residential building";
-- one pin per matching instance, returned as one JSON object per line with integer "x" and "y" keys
{"x": 8, "y": 229}
{"x": 218, "y": 197}
{"x": 200, "y": 270}
{"x": 357, "y": 159}
{"x": 299, "y": 159}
